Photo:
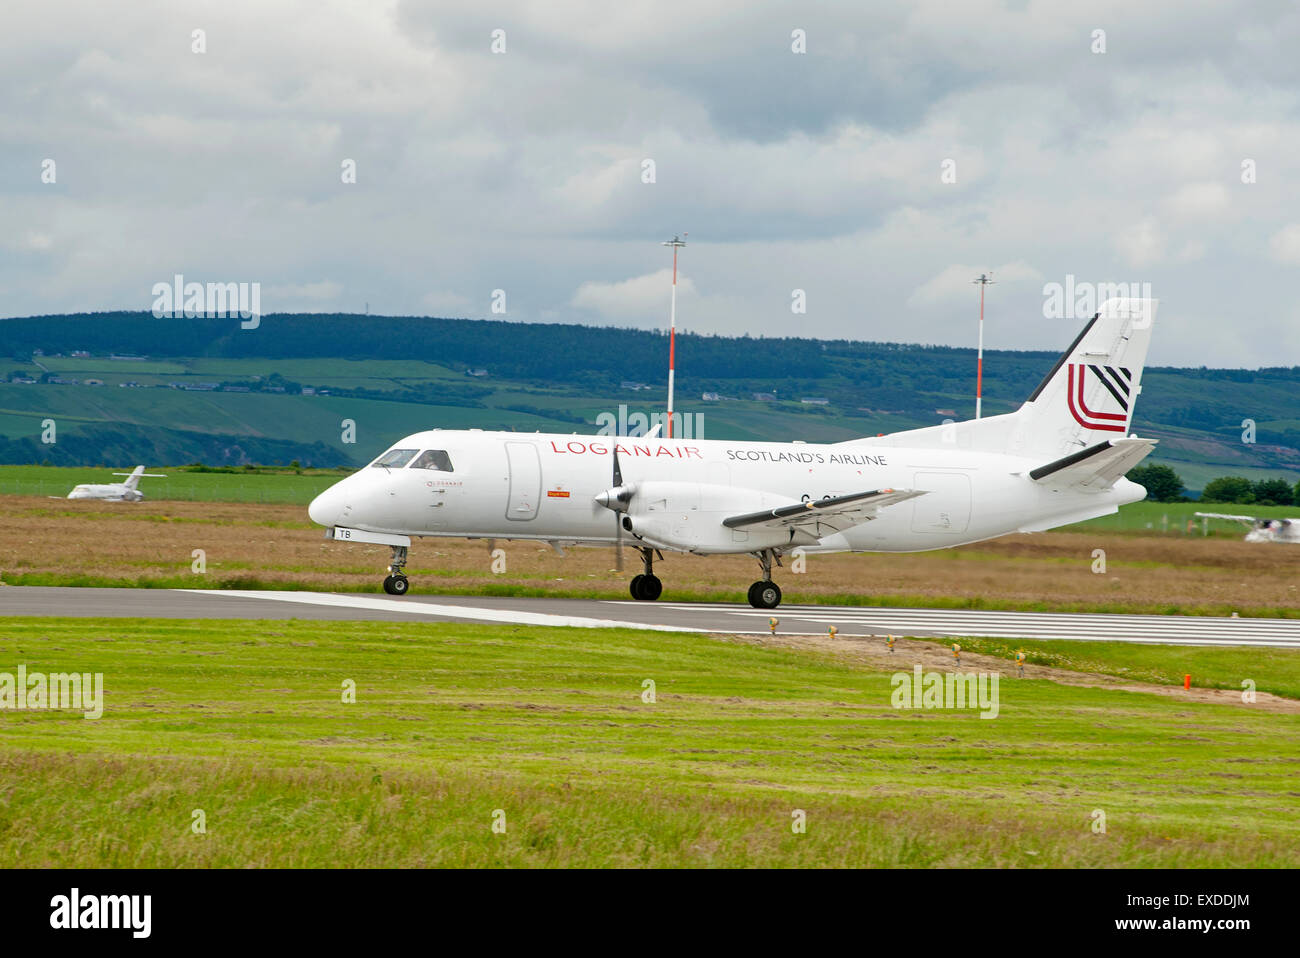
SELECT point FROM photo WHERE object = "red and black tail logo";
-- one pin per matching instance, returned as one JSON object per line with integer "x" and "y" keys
{"x": 1116, "y": 379}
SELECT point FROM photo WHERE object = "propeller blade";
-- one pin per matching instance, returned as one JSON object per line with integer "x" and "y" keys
{"x": 618, "y": 520}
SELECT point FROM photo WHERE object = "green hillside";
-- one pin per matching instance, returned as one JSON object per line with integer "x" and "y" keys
{"x": 182, "y": 390}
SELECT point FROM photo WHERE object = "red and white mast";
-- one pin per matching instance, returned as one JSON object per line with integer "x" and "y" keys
{"x": 984, "y": 280}
{"x": 676, "y": 243}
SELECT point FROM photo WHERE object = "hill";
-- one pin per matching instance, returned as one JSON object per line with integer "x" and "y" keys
{"x": 128, "y": 387}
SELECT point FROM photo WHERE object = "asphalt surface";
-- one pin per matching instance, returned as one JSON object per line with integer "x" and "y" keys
{"x": 662, "y": 615}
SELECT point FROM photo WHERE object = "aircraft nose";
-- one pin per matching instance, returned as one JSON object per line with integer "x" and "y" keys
{"x": 327, "y": 508}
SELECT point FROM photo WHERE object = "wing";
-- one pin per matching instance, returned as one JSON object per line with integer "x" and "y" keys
{"x": 1095, "y": 468}
{"x": 822, "y": 517}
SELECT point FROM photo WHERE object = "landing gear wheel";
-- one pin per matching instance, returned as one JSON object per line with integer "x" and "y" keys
{"x": 646, "y": 588}
{"x": 396, "y": 585}
{"x": 765, "y": 595}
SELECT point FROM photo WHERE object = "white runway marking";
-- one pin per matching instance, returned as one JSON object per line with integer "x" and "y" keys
{"x": 1093, "y": 627}
{"x": 475, "y": 614}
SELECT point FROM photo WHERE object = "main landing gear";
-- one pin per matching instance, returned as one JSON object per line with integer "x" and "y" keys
{"x": 646, "y": 587}
{"x": 765, "y": 594}
{"x": 396, "y": 583}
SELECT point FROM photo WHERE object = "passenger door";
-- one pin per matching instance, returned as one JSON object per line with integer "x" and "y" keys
{"x": 525, "y": 481}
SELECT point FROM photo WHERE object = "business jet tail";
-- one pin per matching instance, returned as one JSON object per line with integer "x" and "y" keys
{"x": 135, "y": 475}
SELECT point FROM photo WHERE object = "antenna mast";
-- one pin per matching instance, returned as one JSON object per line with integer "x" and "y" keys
{"x": 676, "y": 243}
{"x": 985, "y": 279}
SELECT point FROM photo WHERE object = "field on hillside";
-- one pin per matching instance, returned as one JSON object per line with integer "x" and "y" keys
{"x": 47, "y": 542}
{"x": 550, "y": 733}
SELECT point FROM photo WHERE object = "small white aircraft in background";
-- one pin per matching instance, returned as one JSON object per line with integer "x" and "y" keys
{"x": 1059, "y": 459}
{"x": 1261, "y": 529}
{"x": 116, "y": 491}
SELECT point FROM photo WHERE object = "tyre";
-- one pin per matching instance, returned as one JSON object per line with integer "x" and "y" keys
{"x": 396, "y": 585}
{"x": 635, "y": 585}
{"x": 651, "y": 588}
{"x": 765, "y": 595}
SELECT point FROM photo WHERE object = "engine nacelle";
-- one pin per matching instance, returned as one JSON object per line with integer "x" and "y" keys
{"x": 687, "y": 517}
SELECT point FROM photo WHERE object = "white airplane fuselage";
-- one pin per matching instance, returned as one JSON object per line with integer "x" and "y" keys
{"x": 506, "y": 485}
{"x": 110, "y": 492}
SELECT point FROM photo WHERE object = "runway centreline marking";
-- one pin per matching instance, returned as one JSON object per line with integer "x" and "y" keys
{"x": 447, "y": 611}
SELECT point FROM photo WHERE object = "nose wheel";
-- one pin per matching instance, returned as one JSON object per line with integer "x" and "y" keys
{"x": 397, "y": 583}
{"x": 765, "y": 594}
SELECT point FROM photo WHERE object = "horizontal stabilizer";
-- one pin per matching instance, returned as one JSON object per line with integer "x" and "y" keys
{"x": 1096, "y": 468}
{"x": 823, "y": 517}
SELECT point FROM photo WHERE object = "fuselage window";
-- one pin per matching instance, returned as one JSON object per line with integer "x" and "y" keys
{"x": 395, "y": 458}
{"x": 433, "y": 459}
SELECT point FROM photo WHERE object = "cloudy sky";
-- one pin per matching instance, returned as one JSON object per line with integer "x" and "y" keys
{"x": 912, "y": 146}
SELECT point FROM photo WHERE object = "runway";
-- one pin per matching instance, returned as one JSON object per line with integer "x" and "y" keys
{"x": 660, "y": 616}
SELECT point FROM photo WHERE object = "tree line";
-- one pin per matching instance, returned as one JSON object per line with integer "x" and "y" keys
{"x": 1163, "y": 484}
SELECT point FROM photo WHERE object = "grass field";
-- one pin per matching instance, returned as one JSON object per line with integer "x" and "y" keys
{"x": 1271, "y": 670}
{"x": 179, "y": 486}
{"x": 245, "y": 721}
{"x": 1173, "y": 517}
{"x": 151, "y": 544}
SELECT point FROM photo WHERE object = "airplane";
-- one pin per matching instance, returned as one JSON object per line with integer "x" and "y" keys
{"x": 1060, "y": 458}
{"x": 116, "y": 491}
{"x": 1261, "y": 529}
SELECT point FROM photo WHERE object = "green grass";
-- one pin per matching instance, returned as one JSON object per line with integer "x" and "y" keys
{"x": 1271, "y": 669}
{"x": 244, "y": 720}
{"x": 276, "y": 487}
{"x": 1172, "y": 518}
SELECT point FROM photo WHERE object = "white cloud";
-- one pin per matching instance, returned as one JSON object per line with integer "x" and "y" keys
{"x": 1141, "y": 243}
{"x": 640, "y": 299}
{"x": 1284, "y": 245}
{"x": 955, "y": 284}
{"x": 300, "y": 297}
{"x": 521, "y": 172}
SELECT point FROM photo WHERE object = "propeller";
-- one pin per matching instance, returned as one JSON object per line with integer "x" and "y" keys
{"x": 616, "y": 499}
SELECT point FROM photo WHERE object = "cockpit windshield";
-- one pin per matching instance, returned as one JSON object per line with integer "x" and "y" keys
{"x": 433, "y": 459}
{"x": 395, "y": 458}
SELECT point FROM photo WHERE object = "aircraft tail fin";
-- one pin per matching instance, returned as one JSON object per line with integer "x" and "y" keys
{"x": 1086, "y": 398}
{"x": 1089, "y": 395}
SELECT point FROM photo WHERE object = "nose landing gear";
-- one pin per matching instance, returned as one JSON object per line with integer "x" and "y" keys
{"x": 765, "y": 594}
{"x": 397, "y": 583}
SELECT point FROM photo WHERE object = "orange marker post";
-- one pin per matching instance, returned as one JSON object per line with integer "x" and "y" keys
{"x": 1187, "y": 683}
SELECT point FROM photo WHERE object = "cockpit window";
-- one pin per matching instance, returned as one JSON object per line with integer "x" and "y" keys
{"x": 433, "y": 459}
{"x": 395, "y": 458}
